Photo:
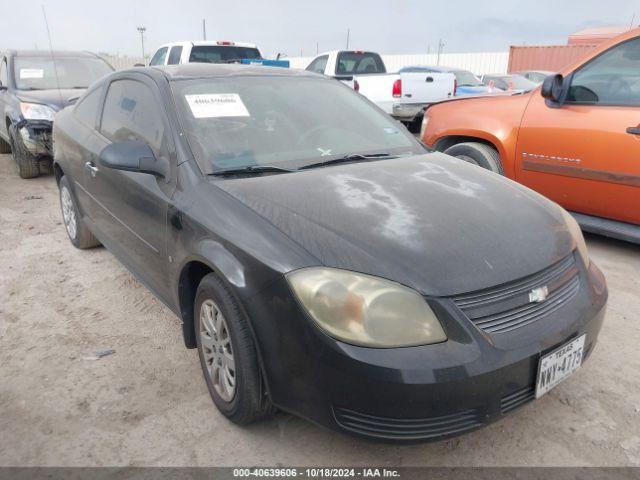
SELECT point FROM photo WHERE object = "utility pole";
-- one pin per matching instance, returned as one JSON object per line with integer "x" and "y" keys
{"x": 632, "y": 20}
{"x": 204, "y": 29}
{"x": 348, "y": 32}
{"x": 142, "y": 30}
{"x": 317, "y": 48}
{"x": 440, "y": 50}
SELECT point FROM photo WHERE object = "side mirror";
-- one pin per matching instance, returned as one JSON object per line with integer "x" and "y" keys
{"x": 133, "y": 156}
{"x": 552, "y": 87}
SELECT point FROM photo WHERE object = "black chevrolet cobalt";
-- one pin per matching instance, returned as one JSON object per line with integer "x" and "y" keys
{"x": 323, "y": 261}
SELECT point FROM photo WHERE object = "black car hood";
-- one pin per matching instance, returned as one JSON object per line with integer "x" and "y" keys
{"x": 58, "y": 99}
{"x": 431, "y": 222}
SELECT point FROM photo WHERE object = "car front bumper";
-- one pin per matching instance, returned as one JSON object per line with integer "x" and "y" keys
{"x": 36, "y": 137}
{"x": 407, "y": 112}
{"x": 416, "y": 393}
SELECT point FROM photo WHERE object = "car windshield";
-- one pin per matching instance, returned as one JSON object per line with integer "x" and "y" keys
{"x": 518, "y": 82}
{"x": 43, "y": 73}
{"x": 286, "y": 121}
{"x": 467, "y": 79}
{"x": 221, "y": 53}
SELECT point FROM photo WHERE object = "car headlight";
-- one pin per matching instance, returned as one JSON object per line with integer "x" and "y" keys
{"x": 37, "y": 111}
{"x": 576, "y": 233}
{"x": 365, "y": 310}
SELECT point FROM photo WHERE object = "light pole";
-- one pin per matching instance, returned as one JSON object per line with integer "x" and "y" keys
{"x": 142, "y": 30}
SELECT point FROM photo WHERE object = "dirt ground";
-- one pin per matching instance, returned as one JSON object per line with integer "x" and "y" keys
{"x": 147, "y": 403}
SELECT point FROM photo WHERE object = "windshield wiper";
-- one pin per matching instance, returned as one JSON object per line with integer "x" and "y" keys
{"x": 349, "y": 158}
{"x": 249, "y": 169}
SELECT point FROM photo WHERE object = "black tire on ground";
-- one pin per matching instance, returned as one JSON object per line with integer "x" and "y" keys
{"x": 5, "y": 147}
{"x": 80, "y": 235}
{"x": 28, "y": 165}
{"x": 477, "y": 153}
{"x": 249, "y": 402}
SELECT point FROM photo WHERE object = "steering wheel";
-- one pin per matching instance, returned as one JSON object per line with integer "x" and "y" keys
{"x": 272, "y": 117}
{"x": 309, "y": 133}
{"x": 619, "y": 89}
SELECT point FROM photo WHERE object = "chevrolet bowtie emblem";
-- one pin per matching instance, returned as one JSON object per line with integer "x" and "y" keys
{"x": 538, "y": 295}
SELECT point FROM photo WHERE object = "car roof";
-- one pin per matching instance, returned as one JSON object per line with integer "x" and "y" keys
{"x": 212, "y": 43}
{"x": 204, "y": 70}
{"x": 48, "y": 53}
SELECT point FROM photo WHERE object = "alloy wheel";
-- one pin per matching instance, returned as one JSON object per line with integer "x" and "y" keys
{"x": 217, "y": 350}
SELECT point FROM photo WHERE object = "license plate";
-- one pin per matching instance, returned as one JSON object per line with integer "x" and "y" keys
{"x": 558, "y": 365}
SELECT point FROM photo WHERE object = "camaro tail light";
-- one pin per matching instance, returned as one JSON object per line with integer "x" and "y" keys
{"x": 397, "y": 89}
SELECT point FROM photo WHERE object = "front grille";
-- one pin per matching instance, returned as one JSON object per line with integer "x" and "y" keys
{"x": 508, "y": 307}
{"x": 519, "y": 397}
{"x": 407, "y": 429}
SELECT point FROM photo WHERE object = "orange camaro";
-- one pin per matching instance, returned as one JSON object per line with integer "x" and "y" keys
{"x": 575, "y": 139}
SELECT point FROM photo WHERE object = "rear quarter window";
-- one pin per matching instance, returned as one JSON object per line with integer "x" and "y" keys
{"x": 350, "y": 63}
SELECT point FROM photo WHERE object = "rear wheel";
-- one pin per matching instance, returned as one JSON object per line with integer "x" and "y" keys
{"x": 28, "y": 165}
{"x": 80, "y": 236}
{"x": 228, "y": 354}
{"x": 477, "y": 153}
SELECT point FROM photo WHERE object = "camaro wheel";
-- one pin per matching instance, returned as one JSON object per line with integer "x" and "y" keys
{"x": 228, "y": 354}
{"x": 28, "y": 166}
{"x": 477, "y": 153}
{"x": 80, "y": 236}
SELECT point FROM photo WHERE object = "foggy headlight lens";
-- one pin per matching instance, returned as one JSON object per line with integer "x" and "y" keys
{"x": 36, "y": 111}
{"x": 576, "y": 232}
{"x": 365, "y": 310}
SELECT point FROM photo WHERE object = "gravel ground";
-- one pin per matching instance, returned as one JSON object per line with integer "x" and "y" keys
{"x": 147, "y": 403}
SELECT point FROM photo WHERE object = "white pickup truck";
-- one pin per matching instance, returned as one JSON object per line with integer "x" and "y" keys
{"x": 403, "y": 95}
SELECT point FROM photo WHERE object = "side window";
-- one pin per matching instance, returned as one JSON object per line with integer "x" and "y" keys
{"x": 174, "y": 55}
{"x": 160, "y": 55}
{"x": 318, "y": 65}
{"x": 612, "y": 78}
{"x": 86, "y": 110}
{"x": 4, "y": 77}
{"x": 132, "y": 113}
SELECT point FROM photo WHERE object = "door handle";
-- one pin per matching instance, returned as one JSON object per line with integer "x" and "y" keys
{"x": 633, "y": 130}
{"x": 92, "y": 168}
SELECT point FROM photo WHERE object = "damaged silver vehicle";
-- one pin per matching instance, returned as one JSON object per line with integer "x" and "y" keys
{"x": 34, "y": 86}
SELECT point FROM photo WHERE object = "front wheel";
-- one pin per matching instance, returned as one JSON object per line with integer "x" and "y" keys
{"x": 477, "y": 153}
{"x": 80, "y": 236}
{"x": 28, "y": 165}
{"x": 228, "y": 354}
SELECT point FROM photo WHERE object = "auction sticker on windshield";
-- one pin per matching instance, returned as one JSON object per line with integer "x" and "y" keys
{"x": 559, "y": 364}
{"x": 213, "y": 105}
{"x": 31, "y": 73}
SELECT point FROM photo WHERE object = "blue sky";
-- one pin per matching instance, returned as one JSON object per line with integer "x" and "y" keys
{"x": 290, "y": 26}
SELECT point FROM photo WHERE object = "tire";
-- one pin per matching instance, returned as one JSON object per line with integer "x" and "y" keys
{"x": 223, "y": 332}
{"x": 479, "y": 154}
{"x": 79, "y": 234}
{"x": 5, "y": 147}
{"x": 28, "y": 165}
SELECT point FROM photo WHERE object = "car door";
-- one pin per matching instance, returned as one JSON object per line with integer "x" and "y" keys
{"x": 130, "y": 208}
{"x": 74, "y": 144}
{"x": 4, "y": 80}
{"x": 585, "y": 153}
